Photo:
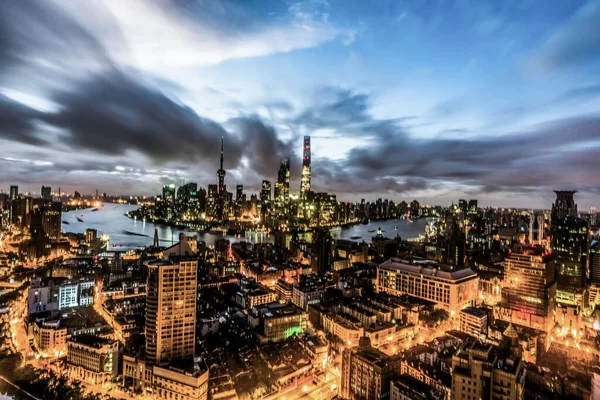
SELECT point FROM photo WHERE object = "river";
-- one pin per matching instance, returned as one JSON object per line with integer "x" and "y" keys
{"x": 126, "y": 233}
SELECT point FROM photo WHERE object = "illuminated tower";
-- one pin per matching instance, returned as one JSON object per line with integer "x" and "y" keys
{"x": 569, "y": 243}
{"x": 221, "y": 189}
{"x": 305, "y": 180}
{"x": 282, "y": 187}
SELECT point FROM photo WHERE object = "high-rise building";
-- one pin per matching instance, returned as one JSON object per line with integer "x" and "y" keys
{"x": 569, "y": 243}
{"x": 239, "y": 193}
{"x": 529, "y": 289}
{"x": 306, "y": 174}
{"x": 564, "y": 206}
{"x": 321, "y": 254}
{"x": 282, "y": 187}
{"x": 367, "y": 372}
{"x": 46, "y": 193}
{"x": 168, "y": 193}
{"x": 481, "y": 371}
{"x": 265, "y": 192}
{"x": 220, "y": 203}
{"x": 14, "y": 192}
{"x": 91, "y": 235}
{"x": 171, "y": 310}
{"x": 536, "y": 228}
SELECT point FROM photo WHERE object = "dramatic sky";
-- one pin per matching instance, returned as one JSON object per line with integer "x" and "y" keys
{"x": 426, "y": 99}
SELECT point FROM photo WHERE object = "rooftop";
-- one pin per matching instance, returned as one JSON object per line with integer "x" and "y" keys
{"x": 461, "y": 274}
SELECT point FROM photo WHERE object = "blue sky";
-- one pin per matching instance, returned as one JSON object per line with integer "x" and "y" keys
{"x": 434, "y": 100}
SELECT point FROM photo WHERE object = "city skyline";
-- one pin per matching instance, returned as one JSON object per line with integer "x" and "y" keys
{"x": 401, "y": 101}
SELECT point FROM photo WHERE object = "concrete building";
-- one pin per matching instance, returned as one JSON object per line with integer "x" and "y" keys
{"x": 171, "y": 310}
{"x": 474, "y": 321}
{"x": 529, "y": 288}
{"x": 92, "y": 359}
{"x": 479, "y": 371}
{"x": 367, "y": 372}
{"x": 452, "y": 290}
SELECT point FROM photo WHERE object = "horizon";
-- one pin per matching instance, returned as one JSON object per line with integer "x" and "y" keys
{"x": 402, "y": 100}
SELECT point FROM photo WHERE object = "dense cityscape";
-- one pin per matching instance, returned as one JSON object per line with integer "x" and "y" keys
{"x": 299, "y": 200}
{"x": 485, "y": 302}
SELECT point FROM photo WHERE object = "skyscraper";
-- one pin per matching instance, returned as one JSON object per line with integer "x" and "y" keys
{"x": 14, "y": 192}
{"x": 168, "y": 192}
{"x": 265, "y": 192}
{"x": 569, "y": 243}
{"x": 305, "y": 180}
{"x": 564, "y": 206}
{"x": 171, "y": 310}
{"x": 239, "y": 192}
{"x": 321, "y": 257}
{"x": 46, "y": 193}
{"x": 529, "y": 290}
{"x": 282, "y": 187}
{"x": 220, "y": 204}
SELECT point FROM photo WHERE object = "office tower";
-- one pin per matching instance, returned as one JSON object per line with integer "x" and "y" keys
{"x": 569, "y": 243}
{"x": 536, "y": 228}
{"x": 321, "y": 255}
{"x": 239, "y": 193}
{"x": 481, "y": 371}
{"x": 168, "y": 193}
{"x": 282, "y": 187}
{"x": 186, "y": 191}
{"x": 595, "y": 262}
{"x": 220, "y": 201}
{"x": 472, "y": 209}
{"x": 305, "y": 179}
{"x": 367, "y": 372}
{"x": 457, "y": 246}
{"x": 529, "y": 289}
{"x": 463, "y": 206}
{"x": 46, "y": 193}
{"x": 171, "y": 310}
{"x": 564, "y": 206}
{"x": 14, "y": 192}
{"x": 265, "y": 192}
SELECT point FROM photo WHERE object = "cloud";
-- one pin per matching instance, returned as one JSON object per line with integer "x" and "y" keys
{"x": 576, "y": 44}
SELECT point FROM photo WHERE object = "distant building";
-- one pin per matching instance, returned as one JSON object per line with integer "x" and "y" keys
{"x": 306, "y": 173}
{"x": 265, "y": 192}
{"x": 367, "y": 372}
{"x": 91, "y": 235}
{"x": 46, "y": 193}
{"x": 14, "y": 192}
